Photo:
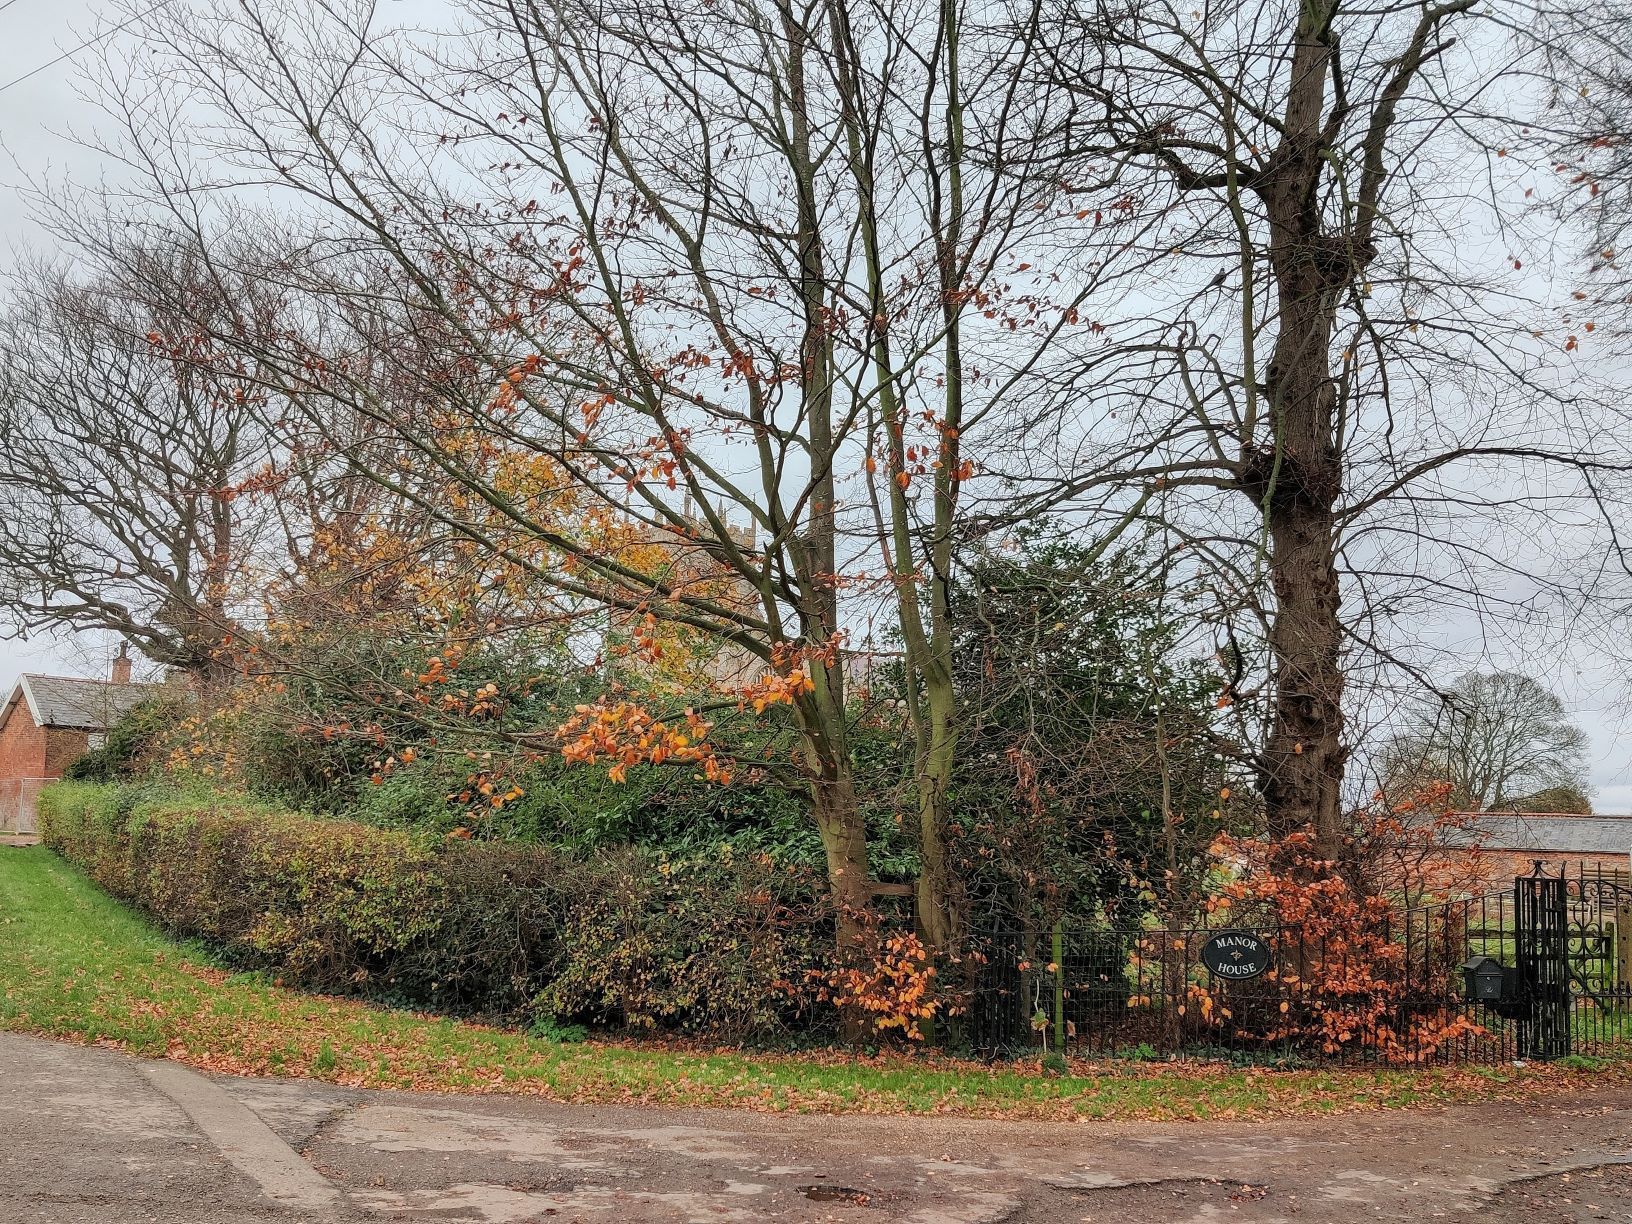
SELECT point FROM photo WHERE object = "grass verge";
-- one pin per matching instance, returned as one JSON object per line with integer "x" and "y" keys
{"x": 78, "y": 966}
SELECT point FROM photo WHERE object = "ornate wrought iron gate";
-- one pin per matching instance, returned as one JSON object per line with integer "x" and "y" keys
{"x": 1541, "y": 910}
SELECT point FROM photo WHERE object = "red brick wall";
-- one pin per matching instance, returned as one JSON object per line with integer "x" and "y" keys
{"x": 27, "y": 751}
{"x": 62, "y": 748}
{"x": 1499, "y": 867}
{"x": 22, "y": 745}
{"x": 30, "y": 755}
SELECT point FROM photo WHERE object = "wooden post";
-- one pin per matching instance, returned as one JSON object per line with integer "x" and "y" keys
{"x": 879, "y": 889}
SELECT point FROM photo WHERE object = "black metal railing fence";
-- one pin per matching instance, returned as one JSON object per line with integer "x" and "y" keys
{"x": 1397, "y": 993}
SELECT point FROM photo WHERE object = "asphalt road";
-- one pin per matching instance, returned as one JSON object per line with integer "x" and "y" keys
{"x": 92, "y": 1135}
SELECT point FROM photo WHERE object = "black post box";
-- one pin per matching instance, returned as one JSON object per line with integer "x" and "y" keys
{"x": 1484, "y": 980}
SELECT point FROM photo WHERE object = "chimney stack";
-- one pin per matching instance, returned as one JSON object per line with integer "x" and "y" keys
{"x": 121, "y": 665}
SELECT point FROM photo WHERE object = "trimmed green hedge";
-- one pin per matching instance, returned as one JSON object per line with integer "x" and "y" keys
{"x": 622, "y": 938}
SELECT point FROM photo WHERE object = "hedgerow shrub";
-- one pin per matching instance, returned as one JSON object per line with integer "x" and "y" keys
{"x": 648, "y": 943}
{"x": 328, "y": 904}
{"x": 82, "y": 823}
{"x": 577, "y": 808}
{"x": 493, "y": 928}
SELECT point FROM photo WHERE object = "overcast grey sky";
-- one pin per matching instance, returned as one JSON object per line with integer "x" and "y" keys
{"x": 35, "y": 114}
{"x": 35, "y": 111}
{"x": 38, "y": 116}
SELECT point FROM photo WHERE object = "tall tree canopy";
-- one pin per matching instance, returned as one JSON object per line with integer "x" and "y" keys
{"x": 1498, "y": 738}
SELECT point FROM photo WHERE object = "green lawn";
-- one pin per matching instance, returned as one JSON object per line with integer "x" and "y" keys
{"x": 78, "y": 966}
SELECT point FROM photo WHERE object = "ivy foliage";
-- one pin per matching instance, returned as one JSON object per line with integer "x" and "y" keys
{"x": 1088, "y": 781}
{"x": 127, "y": 747}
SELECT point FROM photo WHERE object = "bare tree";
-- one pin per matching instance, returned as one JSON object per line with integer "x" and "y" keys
{"x": 1498, "y": 738}
{"x": 1360, "y": 426}
{"x": 119, "y": 475}
{"x": 734, "y": 272}
{"x": 1590, "y": 138}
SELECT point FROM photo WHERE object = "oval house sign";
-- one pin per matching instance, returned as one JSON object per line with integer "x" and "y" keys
{"x": 1237, "y": 955}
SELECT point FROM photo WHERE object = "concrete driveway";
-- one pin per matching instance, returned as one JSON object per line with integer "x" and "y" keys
{"x": 93, "y": 1135}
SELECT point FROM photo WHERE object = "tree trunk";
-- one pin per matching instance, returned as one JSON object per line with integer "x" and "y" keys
{"x": 1296, "y": 479}
{"x": 935, "y": 907}
{"x": 844, "y": 843}
{"x": 1305, "y": 755}
{"x": 815, "y": 554}
{"x": 1304, "y": 758}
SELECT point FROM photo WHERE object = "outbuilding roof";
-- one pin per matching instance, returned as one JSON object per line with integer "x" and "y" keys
{"x": 1545, "y": 832}
{"x": 73, "y": 703}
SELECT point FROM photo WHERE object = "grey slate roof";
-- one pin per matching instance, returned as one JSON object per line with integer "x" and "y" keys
{"x": 1567, "y": 834}
{"x": 83, "y": 705}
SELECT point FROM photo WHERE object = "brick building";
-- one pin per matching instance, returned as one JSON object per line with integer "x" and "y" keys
{"x": 46, "y": 723}
{"x": 1511, "y": 843}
